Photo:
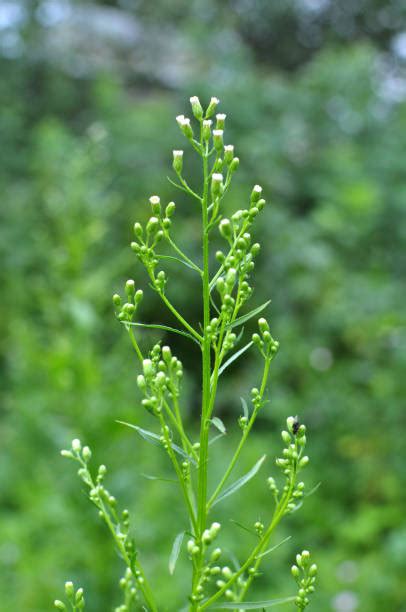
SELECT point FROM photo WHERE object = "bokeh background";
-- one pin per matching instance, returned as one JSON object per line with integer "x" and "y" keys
{"x": 315, "y": 93}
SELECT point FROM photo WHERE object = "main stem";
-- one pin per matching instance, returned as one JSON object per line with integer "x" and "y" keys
{"x": 206, "y": 366}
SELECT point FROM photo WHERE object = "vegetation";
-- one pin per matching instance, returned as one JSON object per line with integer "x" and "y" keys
{"x": 324, "y": 136}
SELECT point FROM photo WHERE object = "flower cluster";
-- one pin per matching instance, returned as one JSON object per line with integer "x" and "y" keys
{"x": 305, "y": 575}
{"x": 75, "y": 597}
{"x": 125, "y": 312}
{"x": 161, "y": 377}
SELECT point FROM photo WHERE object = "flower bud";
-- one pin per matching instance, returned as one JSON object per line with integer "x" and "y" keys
{"x": 139, "y": 294}
{"x": 196, "y": 107}
{"x": 177, "y": 163}
{"x": 234, "y": 164}
{"x": 155, "y": 204}
{"x": 170, "y": 209}
{"x": 231, "y": 276}
{"x": 225, "y": 228}
{"x": 69, "y": 588}
{"x": 212, "y": 107}
{"x": 256, "y": 194}
{"x": 286, "y": 437}
{"x": 295, "y": 571}
{"x": 313, "y": 570}
{"x": 152, "y": 225}
{"x": 148, "y": 368}
{"x": 228, "y": 154}
{"x": 206, "y": 130}
{"x": 87, "y": 453}
{"x": 304, "y": 461}
{"x": 263, "y": 325}
{"x": 116, "y": 300}
{"x": 184, "y": 124}
{"x": 76, "y": 446}
{"x": 220, "y": 285}
{"x": 216, "y": 184}
{"x": 138, "y": 231}
{"x": 220, "y": 120}
{"x": 141, "y": 382}
{"x": 260, "y": 204}
{"x": 130, "y": 287}
{"x": 218, "y": 140}
{"x": 59, "y": 605}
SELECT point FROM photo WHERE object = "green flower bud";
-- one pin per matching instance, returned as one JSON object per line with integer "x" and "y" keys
{"x": 141, "y": 382}
{"x": 220, "y": 120}
{"x": 130, "y": 287}
{"x": 263, "y": 325}
{"x": 228, "y": 154}
{"x": 196, "y": 107}
{"x": 155, "y": 204}
{"x": 59, "y": 605}
{"x": 260, "y": 204}
{"x": 135, "y": 247}
{"x": 76, "y": 446}
{"x": 184, "y": 124}
{"x": 152, "y": 225}
{"x": 86, "y": 453}
{"x": 218, "y": 140}
{"x": 116, "y": 300}
{"x": 69, "y": 588}
{"x": 256, "y": 194}
{"x": 206, "y": 130}
{"x": 304, "y": 461}
{"x": 214, "y": 102}
{"x": 79, "y": 595}
{"x": 138, "y": 231}
{"x": 177, "y": 163}
{"x": 148, "y": 368}
{"x": 286, "y": 437}
{"x": 220, "y": 257}
{"x": 313, "y": 570}
{"x": 255, "y": 249}
{"x": 216, "y": 184}
{"x": 138, "y": 296}
{"x": 170, "y": 209}
{"x": 234, "y": 164}
{"x": 225, "y": 228}
{"x": 66, "y": 453}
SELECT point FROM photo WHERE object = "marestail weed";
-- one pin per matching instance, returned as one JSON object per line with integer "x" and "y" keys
{"x": 225, "y": 290}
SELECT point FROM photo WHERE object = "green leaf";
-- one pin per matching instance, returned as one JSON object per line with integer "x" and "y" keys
{"x": 153, "y": 438}
{"x": 252, "y": 605}
{"x": 234, "y": 357}
{"x": 241, "y": 481}
{"x": 267, "y": 552}
{"x": 164, "y": 328}
{"x": 244, "y": 407}
{"x": 218, "y": 423}
{"x": 173, "y": 557}
{"x": 249, "y": 315}
{"x": 178, "y": 259}
{"x": 150, "y": 477}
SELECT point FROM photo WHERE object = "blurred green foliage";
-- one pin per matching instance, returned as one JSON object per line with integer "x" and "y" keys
{"x": 82, "y": 150}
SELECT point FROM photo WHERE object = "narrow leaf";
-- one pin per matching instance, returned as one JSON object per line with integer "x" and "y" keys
{"x": 164, "y": 328}
{"x": 218, "y": 423}
{"x": 150, "y": 477}
{"x": 177, "y": 544}
{"x": 267, "y": 552}
{"x": 244, "y": 407}
{"x": 149, "y": 436}
{"x": 253, "y": 605}
{"x": 244, "y": 527}
{"x": 213, "y": 440}
{"x": 179, "y": 260}
{"x": 234, "y": 357}
{"x": 313, "y": 490}
{"x": 241, "y": 481}
{"x": 249, "y": 315}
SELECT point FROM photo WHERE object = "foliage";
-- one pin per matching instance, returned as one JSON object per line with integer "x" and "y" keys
{"x": 327, "y": 143}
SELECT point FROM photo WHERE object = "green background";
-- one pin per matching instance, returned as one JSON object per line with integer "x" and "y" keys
{"x": 315, "y": 96}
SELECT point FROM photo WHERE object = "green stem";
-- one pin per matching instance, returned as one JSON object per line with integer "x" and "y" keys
{"x": 243, "y": 438}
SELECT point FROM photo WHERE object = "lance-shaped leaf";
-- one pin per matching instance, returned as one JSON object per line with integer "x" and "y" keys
{"x": 218, "y": 424}
{"x": 173, "y": 557}
{"x": 241, "y": 481}
{"x": 234, "y": 357}
{"x": 249, "y": 315}
{"x": 252, "y": 605}
{"x": 153, "y": 438}
{"x": 163, "y": 327}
